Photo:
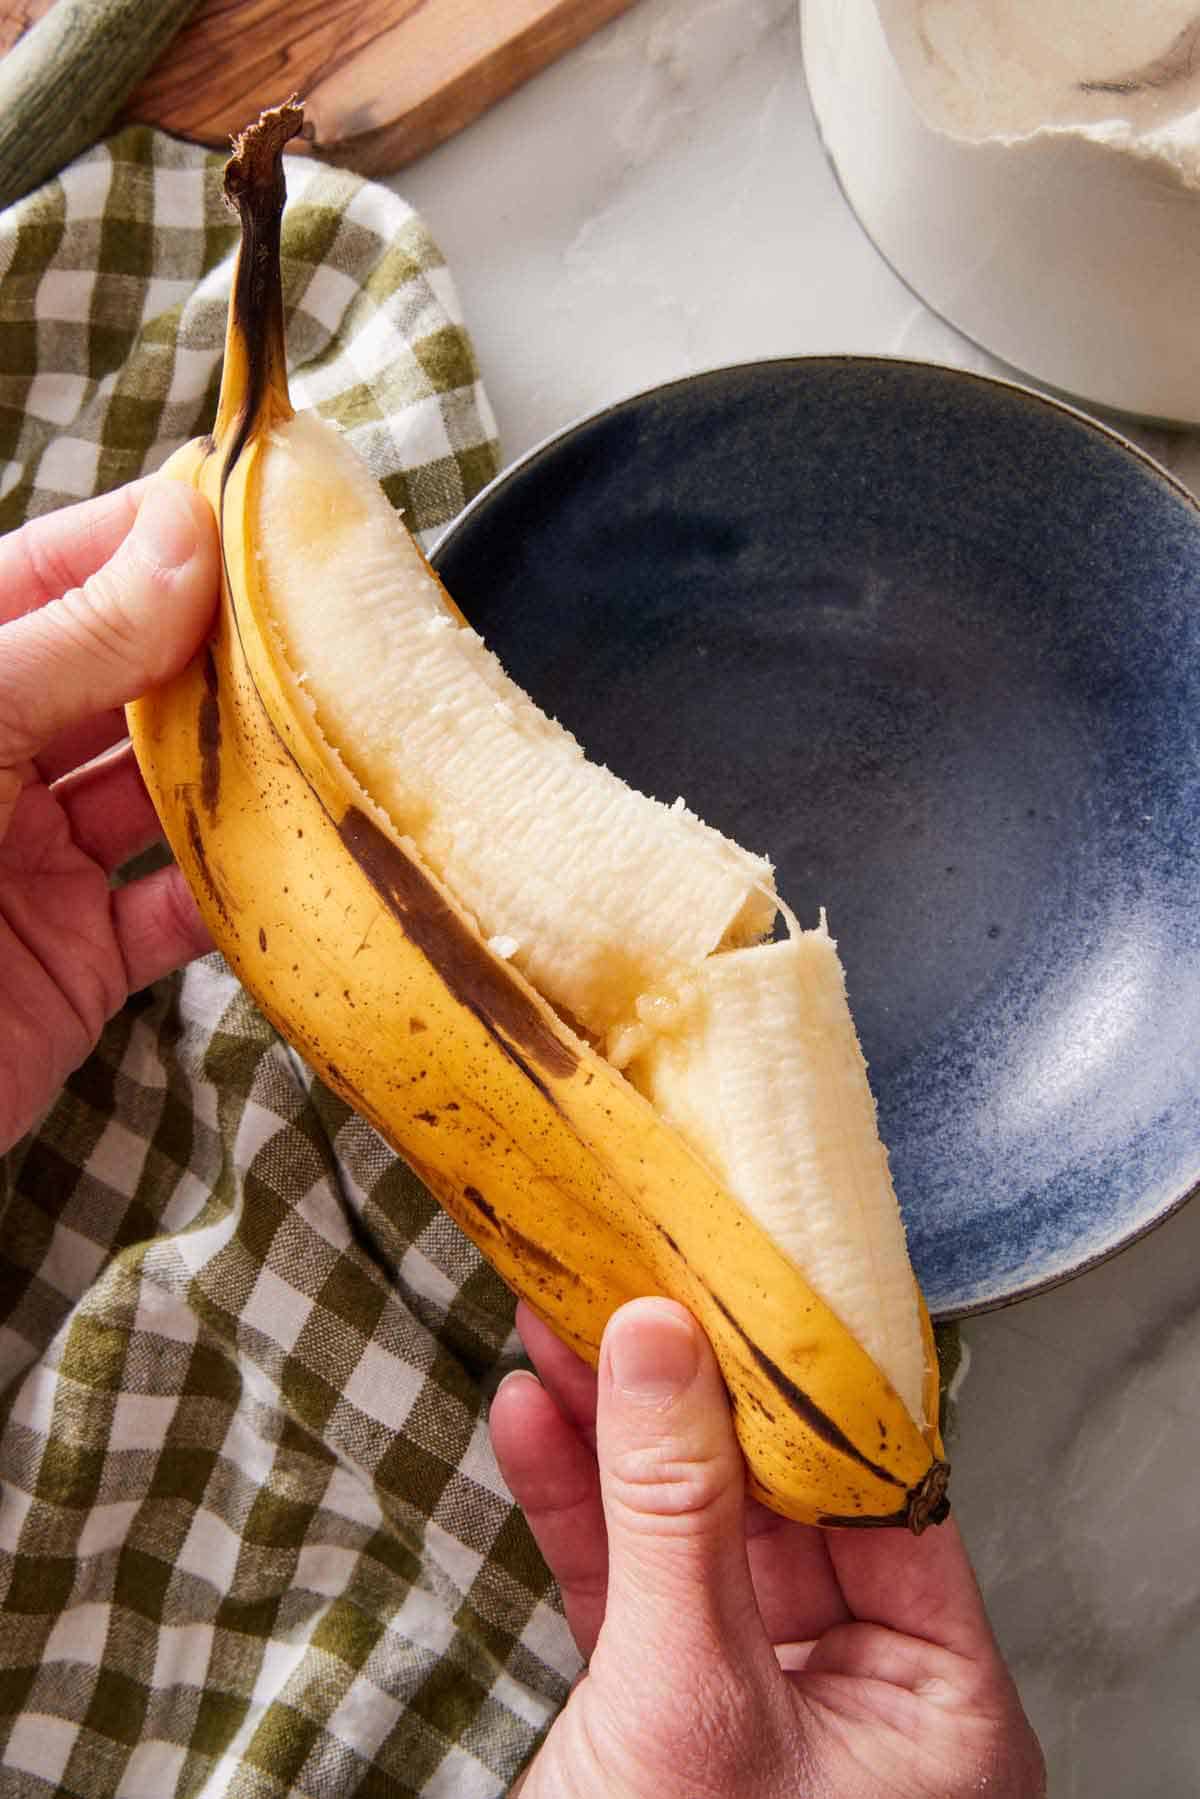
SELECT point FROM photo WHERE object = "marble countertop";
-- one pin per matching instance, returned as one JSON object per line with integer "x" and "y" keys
{"x": 658, "y": 203}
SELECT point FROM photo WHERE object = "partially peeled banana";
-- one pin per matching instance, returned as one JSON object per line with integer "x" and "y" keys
{"x": 551, "y": 995}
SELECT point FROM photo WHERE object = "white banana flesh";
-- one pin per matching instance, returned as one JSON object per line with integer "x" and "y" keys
{"x": 601, "y": 891}
{"x": 758, "y": 1066}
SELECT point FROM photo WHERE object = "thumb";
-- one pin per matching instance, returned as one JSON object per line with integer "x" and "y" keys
{"x": 134, "y": 622}
{"x": 671, "y": 1475}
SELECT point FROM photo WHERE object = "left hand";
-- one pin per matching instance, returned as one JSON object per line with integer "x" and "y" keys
{"x": 98, "y": 602}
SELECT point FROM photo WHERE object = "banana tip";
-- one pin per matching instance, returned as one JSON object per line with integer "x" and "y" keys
{"x": 929, "y": 1502}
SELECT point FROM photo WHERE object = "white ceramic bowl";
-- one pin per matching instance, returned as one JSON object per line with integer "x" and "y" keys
{"x": 1071, "y": 253}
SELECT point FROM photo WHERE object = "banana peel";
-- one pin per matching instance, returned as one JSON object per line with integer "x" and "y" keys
{"x": 569, "y": 1182}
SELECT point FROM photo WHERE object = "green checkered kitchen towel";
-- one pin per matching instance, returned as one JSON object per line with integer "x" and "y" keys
{"x": 252, "y": 1537}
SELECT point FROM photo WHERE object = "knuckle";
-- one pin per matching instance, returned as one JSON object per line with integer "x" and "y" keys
{"x": 649, "y": 1482}
{"x": 108, "y": 616}
{"x": 43, "y": 566}
{"x": 97, "y": 616}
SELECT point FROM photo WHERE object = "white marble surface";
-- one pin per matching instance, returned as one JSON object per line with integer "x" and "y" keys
{"x": 658, "y": 203}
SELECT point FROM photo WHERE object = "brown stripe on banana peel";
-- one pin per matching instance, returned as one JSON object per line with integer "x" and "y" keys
{"x": 567, "y": 1179}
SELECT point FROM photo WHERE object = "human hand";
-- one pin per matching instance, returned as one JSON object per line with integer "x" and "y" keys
{"x": 731, "y": 1652}
{"x": 98, "y": 602}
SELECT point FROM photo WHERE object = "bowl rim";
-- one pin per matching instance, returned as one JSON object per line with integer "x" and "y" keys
{"x": 1051, "y": 401}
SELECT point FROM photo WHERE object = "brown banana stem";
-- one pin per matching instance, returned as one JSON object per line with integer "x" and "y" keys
{"x": 254, "y": 390}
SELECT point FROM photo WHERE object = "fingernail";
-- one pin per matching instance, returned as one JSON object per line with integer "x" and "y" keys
{"x": 652, "y": 1350}
{"x": 165, "y": 529}
{"x": 513, "y": 1376}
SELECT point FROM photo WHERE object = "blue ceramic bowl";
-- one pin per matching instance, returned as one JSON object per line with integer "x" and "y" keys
{"x": 933, "y": 642}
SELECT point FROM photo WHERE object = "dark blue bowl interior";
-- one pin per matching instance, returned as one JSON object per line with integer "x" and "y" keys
{"x": 932, "y": 642}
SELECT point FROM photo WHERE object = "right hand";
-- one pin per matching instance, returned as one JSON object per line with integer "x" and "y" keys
{"x": 774, "y": 1662}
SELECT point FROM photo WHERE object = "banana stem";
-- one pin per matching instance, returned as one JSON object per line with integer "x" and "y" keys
{"x": 254, "y": 387}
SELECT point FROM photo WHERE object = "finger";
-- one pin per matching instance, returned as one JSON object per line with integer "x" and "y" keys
{"x": 553, "y": 1477}
{"x": 158, "y": 927}
{"x": 111, "y": 815}
{"x": 798, "y": 1591}
{"x": 80, "y": 743}
{"x": 679, "y": 1587}
{"x": 132, "y": 623}
{"x": 49, "y": 555}
{"x": 561, "y": 1372}
{"x": 858, "y": 1651}
{"x": 922, "y": 1586}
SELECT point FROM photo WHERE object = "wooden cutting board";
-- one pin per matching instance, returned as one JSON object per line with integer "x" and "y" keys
{"x": 382, "y": 80}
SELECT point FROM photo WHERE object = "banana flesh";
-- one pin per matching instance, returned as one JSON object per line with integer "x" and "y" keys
{"x": 610, "y": 891}
{"x": 758, "y": 1066}
{"x": 367, "y": 959}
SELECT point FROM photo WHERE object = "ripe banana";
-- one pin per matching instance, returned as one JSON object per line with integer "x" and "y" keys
{"x": 341, "y": 872}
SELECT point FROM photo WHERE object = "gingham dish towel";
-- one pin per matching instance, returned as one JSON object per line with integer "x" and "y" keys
{"x": 253, "y": 1541}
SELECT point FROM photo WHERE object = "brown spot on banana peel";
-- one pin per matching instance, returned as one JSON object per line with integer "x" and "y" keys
{"x": 199, "y": 855}
{"x": 530, "y": 1254}
{"x": 475, "y": 978}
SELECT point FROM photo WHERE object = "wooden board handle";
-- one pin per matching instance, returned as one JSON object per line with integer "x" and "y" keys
{"x": 382, "y": 80}
{"x": 64, "y": 82}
